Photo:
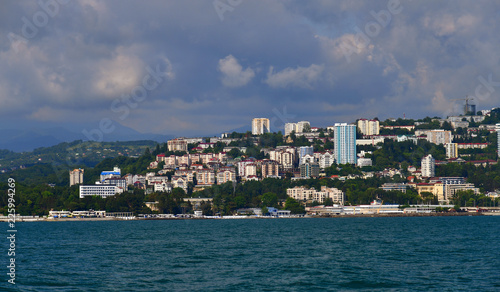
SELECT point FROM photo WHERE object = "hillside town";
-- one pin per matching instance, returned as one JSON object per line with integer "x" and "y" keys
{"x": 305, "y": 152}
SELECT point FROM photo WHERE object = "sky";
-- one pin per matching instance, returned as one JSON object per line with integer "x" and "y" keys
{"x": 196, "y": 67}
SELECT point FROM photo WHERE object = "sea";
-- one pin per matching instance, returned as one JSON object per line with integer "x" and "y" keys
{"x": 302, "y": 254}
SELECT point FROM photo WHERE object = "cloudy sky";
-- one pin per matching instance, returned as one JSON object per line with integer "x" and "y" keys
{"x": 202, "y": 67}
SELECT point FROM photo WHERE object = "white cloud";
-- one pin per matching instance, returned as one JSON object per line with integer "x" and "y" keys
{"x": 299, "y": 77}
{"x": 233, "y": 73}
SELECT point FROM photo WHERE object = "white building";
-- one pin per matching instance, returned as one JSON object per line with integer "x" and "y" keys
{"x": 439, "y": 136}
{"x": 260, "y": 126}
{"x": 345, "y": 143}
{"x": 326, "y": 160}
{"x": 303, "y": 126}
{"x": 99, "y": 190}
{"x": 304, "y": 194}
{"x": 451, "y": 150}
{"x": 428, "y": 166}
{"x": 369, "y": 127}
{"x": 76, "y": 177}
{"x": 289, "y": 128}
{"x": 116, "y": 172}
{"x": 177, "y": 145}
{"x": 303, "y": 151}
{"x": 364, "y": 162}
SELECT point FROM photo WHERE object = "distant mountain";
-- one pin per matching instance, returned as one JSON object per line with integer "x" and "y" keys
{"x": 21, "y": 140}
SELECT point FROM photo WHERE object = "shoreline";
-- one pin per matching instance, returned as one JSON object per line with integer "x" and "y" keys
{"x": 459, "y": 214}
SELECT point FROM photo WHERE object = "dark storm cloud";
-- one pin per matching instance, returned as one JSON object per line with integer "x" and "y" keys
{"x": 324, "y": 61}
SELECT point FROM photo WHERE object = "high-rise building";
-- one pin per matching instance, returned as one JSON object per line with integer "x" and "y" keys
{"x": 345, "y": 143}
{"x": 439, "y": 136}
{"x": 309, "y": 169}
{"x": 369, "y": 127}
{"x": 289, "y": 128}
{"x": 451, "y": 150}
{"x": 177, "y": 145}
{"x": 498, "y": 139}
{"x": 428, "y": 166}
{"x": 303, "y": 126}
{"x": 260, "y": 126}
{"x": 305, "y": 150}
{"x": 76, "y": 177}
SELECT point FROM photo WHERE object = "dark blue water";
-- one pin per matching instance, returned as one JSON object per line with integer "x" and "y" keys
{"x": 373, "y": 254}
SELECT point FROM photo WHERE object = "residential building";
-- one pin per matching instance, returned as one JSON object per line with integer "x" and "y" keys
{"x": 303, "y": 126}
{"x": 116, "y": 172}
{"x": 326, "y": 159}
{"x": 451, "y": 150}
{"x": 260, "y": 126}
{"x": 439, "y": 136}
{"x": 226, "y": 174}
{"x": 177, "y": 145}
{"x": 242, "y": 166}
{"x": 162, "y": 187}
{"x": 309, "y": 169}
{"x": 116, "y": 181}
{"x": 270, "y": 169}
{"x": 428, "y": 166}
{"x": 100, "y": 190}
{"x": 400, "y": 187}
{"x": 250, "y": 170}
{"x": 205, "y": 177}
{"x": 76, "y": 177}
{"x": 304, "y": 194}
{"x": 362, "y": 161}
{"x": 369, "y": 127}
{"x": 180, "y": 182}
{"x": 305, "y": 150}
{"x": 345, "y": 143}
{"x": 289, "y": 128}
{"x": 437, "y": 189}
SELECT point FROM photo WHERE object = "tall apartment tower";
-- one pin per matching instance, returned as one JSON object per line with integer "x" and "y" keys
{"x": 498, "y": 137}
{"x": 451, "y": 150}
{"x": 345, "y": 143}
{"x": 428, "y": 166}
{"x": 260, "y": 126}
{"x": 75, "y": 177}
{"x": 369, "y": 127}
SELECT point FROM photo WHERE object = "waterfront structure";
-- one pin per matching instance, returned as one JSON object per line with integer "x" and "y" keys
{"x": 76, "y": 177}
{"x": 439, "y": 136}
{"x": 369, "y": 127}
{"x": 451, "y": 150}
{"x": 260, "y": 126}
{"x": 428, "y": 166}
{"x": 345, "y": 143}
{"x": 177, "y": 145}
{"x": 101, "y": 190}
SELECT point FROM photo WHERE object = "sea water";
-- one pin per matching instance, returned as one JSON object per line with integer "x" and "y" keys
{"x": 331, "y": 254}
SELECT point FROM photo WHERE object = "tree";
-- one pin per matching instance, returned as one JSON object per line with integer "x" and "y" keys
{"x": 269, "y": 200}
{"x": 294, "y": 206}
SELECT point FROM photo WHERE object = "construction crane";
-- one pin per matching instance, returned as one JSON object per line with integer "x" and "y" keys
{"x": 467, "y": 107}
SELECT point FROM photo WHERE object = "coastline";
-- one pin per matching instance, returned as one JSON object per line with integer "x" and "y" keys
{"x": 458, "y": 214}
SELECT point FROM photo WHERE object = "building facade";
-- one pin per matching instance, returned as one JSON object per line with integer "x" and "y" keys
{"x": 498, "y": 139}
{"x": 99, "y": 190}
{"x": 451, "y": 150}
{"x": 428, "y": 166}
{"x": 369, "y": 127}
{"x": 439, "y": 136}
{"x": 345, "y": 143}
{"x": 260, "y": 126}
{"x": 177, "y": 145}
{"x": 76, "y": 177}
